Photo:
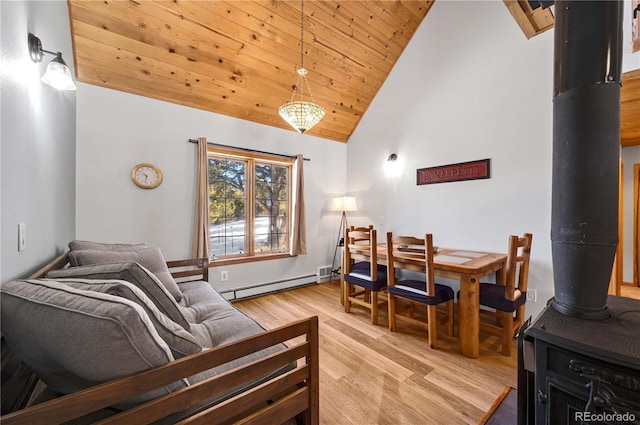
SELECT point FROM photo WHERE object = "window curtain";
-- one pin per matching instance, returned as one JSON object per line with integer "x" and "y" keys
{"x": 299, "y": 222}
{"x": 200, "y": 240}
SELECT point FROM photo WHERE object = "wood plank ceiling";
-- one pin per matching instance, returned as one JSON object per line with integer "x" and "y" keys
{"x": 239, "y": 58}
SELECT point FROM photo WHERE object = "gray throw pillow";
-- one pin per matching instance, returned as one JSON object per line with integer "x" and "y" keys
{"x": 134, "y": 273}
{"x": 99, "y": 246}
{"x": 76, "y": 339}
{"x": 181, "y": 342}
{"x": 150, "y": 258}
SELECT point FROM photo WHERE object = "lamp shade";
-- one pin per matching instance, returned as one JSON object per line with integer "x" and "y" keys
{"x": 301, "y": 115}
{"x": 58, "y": 75}
{"x": 344, "y": 203}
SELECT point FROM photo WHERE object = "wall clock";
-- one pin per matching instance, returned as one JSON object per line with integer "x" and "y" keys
{"x": 146, "y": 176}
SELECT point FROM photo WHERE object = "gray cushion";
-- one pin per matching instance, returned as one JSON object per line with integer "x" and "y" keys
{"x": 75, "y": 339}
{"x": 99, "y": 246}
{"x": 179, "y": 341}
{"x": 150, "y": 258}
{"x": 133, "y": 273}
{"x": 213, "y": 320}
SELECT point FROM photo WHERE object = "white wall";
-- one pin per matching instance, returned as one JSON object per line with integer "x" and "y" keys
{"x": 117, "y": 130}
{"x": 37, "y": 139}
{"x": 469, "y": 86}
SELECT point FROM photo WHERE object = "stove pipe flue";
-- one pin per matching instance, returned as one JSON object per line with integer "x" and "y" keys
{"x": 586, "y": 153}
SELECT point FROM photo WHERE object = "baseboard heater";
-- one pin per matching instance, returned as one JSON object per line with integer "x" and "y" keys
{"x": 269, "y": 287}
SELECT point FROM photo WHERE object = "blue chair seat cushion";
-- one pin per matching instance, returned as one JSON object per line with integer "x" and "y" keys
{"x": 361, "y": 276}
{"x": 493, "y": 296}
{"x": 416, "y": 290}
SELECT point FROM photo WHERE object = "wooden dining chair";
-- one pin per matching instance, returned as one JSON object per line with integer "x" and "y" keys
{"x": 418, "y": 292}
{"x": 507, "y": 299}
{"x": 354, "y": 265}
{"x": 363, "y": 280}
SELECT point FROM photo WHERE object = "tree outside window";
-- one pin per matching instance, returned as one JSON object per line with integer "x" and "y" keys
{"x": 249, "y": 205}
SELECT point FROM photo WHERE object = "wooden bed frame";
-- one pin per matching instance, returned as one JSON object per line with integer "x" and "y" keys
{"x": 294, "y": 394}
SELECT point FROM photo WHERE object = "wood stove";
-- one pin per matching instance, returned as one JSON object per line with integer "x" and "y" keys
{"x": 579, "y": 361}
{"x": 575, "y": 371}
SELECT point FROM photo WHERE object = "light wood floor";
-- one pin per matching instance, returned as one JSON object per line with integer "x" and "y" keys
{"x": 369, "y": 375}
{"x": 630, "y": 292}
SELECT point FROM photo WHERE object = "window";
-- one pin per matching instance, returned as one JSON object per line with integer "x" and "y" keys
{"x": 249, "y": 205}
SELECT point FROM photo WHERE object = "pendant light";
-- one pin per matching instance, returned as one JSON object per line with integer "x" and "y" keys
{"x": 299, "y": 113}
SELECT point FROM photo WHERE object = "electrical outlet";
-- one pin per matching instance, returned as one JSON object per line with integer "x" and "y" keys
{"x": 224, "y": 275}
{"x": 381, "y": 220}
{"x": 531, "y": 295}
{"x": 22, "y": 237}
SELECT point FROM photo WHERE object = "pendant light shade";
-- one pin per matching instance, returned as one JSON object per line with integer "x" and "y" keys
{"x": 301, "y": 114}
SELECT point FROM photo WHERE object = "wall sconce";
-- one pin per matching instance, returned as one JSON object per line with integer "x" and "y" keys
{"x": 392, "y": 166}
{"x": 58, "y": 74}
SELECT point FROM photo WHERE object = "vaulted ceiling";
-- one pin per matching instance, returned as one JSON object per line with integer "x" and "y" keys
{"x": 239, "y": 58}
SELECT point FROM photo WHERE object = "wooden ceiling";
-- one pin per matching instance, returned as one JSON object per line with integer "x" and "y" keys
{"x": 239, "y": 58}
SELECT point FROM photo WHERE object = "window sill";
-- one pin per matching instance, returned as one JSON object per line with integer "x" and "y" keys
{"x": 251, "y": 259}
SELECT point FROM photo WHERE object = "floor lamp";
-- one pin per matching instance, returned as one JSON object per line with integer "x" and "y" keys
{"x": 344, "y": 204}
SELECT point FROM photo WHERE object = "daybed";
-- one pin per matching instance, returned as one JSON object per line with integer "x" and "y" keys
{"x": 132, "y": 339}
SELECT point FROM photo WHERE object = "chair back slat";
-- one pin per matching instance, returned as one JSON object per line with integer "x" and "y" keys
{"x": 358, "y": 235}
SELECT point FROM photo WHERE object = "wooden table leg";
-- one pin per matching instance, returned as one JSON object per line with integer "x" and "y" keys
{"x": 469, "y": 313}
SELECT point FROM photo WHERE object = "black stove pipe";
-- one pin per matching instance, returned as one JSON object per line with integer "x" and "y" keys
{"x": 586, "y": 153}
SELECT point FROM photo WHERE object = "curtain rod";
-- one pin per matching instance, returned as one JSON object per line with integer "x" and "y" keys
{"x": 248, "y": 150}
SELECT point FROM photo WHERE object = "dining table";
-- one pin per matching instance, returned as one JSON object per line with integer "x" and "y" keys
{"x": 466, "y": 266}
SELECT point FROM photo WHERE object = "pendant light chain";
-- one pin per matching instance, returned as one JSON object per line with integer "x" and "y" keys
{"x": 302, "y": 72}
{"x": 302, "y": 36}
